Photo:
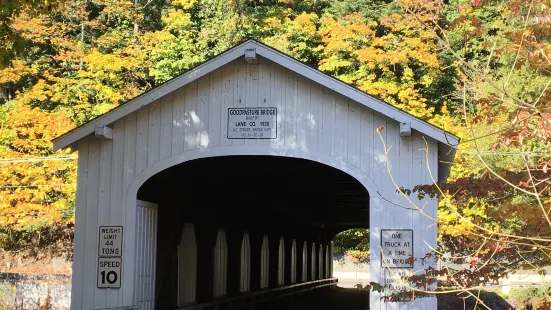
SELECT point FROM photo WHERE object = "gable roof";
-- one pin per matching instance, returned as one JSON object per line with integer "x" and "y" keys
{"x": 280, "y": 58}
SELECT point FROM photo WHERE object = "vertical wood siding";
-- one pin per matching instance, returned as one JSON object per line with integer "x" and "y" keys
{"x": 313, "y": 122}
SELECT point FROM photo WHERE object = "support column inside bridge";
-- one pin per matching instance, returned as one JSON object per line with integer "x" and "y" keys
{"x": 291, "y": 203}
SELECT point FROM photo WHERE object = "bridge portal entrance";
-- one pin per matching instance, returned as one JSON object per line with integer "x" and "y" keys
{"x": 247, "y": 223}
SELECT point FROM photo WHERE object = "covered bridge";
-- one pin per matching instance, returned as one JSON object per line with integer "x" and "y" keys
{"x": 233, "y": 178}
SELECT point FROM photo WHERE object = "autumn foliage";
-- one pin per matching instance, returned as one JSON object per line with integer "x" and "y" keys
{"x": 79, "y": 61}
{"x": 479, "y": 69}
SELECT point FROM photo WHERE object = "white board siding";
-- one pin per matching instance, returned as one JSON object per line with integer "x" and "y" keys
{"x": 215, "y": 108}
{"x": 178, "y": 121}
{"x": 227, "y": 99}
{"x": 253, "y": 87}
{"x": 167, "y": 110}
{"x": 239, "y": 91}
{"x": 325, "y": 127}
{"x": 154, "y": 142}
{"x": 80, "y": 238}
{"x": 203, "y": 114}
{"x": 142, "y": 139}
{"x": 92, "y": 224}
{"x": 106, "y": 151}
{"x": 265, "y": 85}
{"x": 191, "y": 119}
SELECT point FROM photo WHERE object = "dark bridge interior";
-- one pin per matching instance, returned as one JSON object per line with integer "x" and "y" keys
{"x": 272, "y": 196}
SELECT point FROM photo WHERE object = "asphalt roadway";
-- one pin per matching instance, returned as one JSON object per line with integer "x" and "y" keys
{"x": 333, "y": 299}
{"x": 351, "y": 283}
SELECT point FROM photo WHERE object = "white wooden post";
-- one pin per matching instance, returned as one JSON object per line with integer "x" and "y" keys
{"x": 187, "y": 266}
{"x": 264, "y": 263}
{"x": 281, "y": 262}
{"x": 245, "y": 268}
{"x": 294, "y": 262}
{"x": 146, "y": 254}
{"x": 220, "y": 264}
{"x": 304, "y": 262}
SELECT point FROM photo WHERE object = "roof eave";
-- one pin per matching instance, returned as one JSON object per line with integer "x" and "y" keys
{"x": 357, "y": 95}
{"x": 135, "y": 104}
{"x": 286, "y": 61}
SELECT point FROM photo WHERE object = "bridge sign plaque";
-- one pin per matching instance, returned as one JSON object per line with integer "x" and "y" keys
{"x": 395, "y": 282}
{"x": 109, "y": 257}
{"x": 252, "y": 123}
{"x": 109, "y": 272}
{"x": 110, "y": 241}
{"x": 397, "y": 248}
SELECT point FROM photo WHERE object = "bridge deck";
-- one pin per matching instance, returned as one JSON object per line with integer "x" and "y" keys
{"x": 334, "y": 299}
{"x": 318, "y": 294}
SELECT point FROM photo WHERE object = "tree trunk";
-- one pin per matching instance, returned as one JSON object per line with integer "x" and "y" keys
{"x": 136, "y": 26}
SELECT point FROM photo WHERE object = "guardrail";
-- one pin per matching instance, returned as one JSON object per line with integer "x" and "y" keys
{"x": 252, "y": 299}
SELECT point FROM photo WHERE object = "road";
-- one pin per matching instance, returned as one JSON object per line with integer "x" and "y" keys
{"x": 351, "y": 283}
{"x": 334, "y": 299}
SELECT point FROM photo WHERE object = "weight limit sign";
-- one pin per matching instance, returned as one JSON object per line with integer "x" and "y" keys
{"x": 110, "y": 257}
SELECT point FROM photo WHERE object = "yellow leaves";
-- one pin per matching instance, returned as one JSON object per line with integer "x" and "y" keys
{"x": 450, "y": 124}
{"x": 33, "y": 129}
{"x": 272, "y": 23}
{"x": 35, "y": 193}
{"x": 78, "y": 65}
{"x": 15, "y": 72}
{"x": 185, "y": 4}
{"x": 391, "y": 66}
{"x": 292, "y": 33}
{"x": 456, "y": 221}
{"x": 117, "y": 9}
{"x": 33, "y": 29}
{"x": 110, "y": 40}
{"x": 345, "y": 34}
{"x": 157, "y": 38}
{"x": 176, "y": 20}
{"x": 333, "y": 64}
{"x": 403, "y": 96}
{"x": 105, "y": 66}
{"x": 306, "y": 23}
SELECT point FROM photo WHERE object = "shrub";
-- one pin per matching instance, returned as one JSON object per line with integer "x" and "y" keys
{"x": 535, "y": 297}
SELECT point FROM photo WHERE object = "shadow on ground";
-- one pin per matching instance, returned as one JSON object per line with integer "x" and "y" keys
{"x": 356, "y": 299}
{"x": 333, "y": 299}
